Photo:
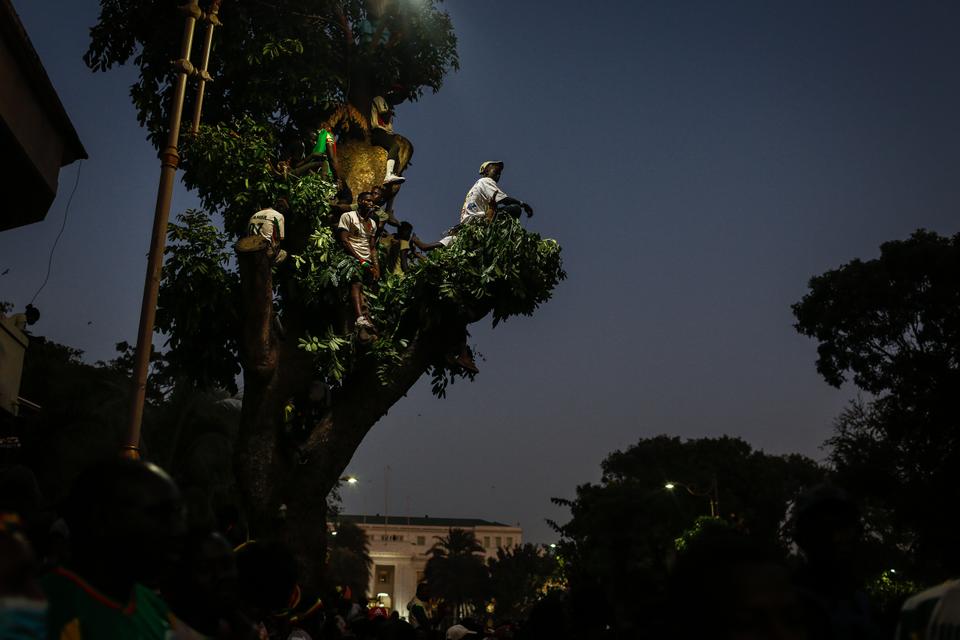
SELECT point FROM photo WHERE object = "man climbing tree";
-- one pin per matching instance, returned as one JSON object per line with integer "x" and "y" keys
{"x": 280, "y": 68}
{"x": 357, "y": 232}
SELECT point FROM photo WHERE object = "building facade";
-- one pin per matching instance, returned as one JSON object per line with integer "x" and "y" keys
{"x": 399, "y": 546}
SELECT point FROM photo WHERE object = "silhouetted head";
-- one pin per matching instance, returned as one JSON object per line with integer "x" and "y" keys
{"x": 282, "y": 205}
{"x": 125, "y": 518}
{"x": 423, "y": 591}
{"x": 18, "y": 565}
{"x": 405, "y": 230}
{"x": 268, "y": 577}
{"x": 205, "y": 586}
{"x": 826, "y": 524}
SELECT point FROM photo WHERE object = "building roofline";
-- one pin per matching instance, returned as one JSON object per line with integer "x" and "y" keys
{"x": 14, "y": 34}
{"x": 420, "y": 521}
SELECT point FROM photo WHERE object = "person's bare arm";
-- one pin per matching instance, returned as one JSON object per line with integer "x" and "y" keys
{"x": 424, "y": 246}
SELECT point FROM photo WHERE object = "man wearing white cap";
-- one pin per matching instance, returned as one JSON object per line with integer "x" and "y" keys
{"x": 486, "y": 195}
{"x": 459, "y": 632}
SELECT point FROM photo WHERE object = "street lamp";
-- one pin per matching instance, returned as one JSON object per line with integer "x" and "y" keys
{"x": 349, "y": 479}
{"x": 711, "y": 494}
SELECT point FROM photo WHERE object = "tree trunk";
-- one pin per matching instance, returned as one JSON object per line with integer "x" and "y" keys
{"x": 270, "y": 472}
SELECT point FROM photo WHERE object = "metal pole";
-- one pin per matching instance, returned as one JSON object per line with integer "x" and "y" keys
{"x": 212, "y": 23}
{"x": 169, "y": 159}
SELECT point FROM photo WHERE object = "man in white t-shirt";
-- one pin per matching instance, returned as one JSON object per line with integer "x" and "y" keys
{"x": 268, "y": 223}
{"x": 485, "y": 196}
{"x": 357, "y": 232}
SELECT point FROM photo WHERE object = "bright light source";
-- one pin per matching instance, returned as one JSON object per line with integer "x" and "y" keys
{"x": 553, "y": 545}
{"x": 334, "y": 532}
{"x": 383, "y": 594}
{"x": 669, "y": 486}
{"x": 893, "y": 570}
{"x": 352, "y": 480}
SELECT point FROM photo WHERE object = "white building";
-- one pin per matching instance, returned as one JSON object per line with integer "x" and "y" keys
{"x": 398, "y": 547}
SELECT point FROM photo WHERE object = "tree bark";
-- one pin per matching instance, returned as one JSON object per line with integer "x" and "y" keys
{"x": 268, "y": 469}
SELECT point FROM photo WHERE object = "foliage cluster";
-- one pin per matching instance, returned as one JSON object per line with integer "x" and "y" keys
{"x": 348, "y": 558}
{"x": 284, "y": 63}
{"x": 623, "y": 532}
{"x": 497, "y": 267}
{"x": 892, "y": 325}
{"x": 507, "y": 586}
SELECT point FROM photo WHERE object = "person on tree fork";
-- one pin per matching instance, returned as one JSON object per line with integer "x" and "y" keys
{"x": 485, "y": 200}
{"x": 382, "y": 135}
{"x": 380, "y": 214}
{"x": 323, "y": 157}
{"x": 268, "y": 224}
{"x": 401, "y": 248}
{"x": 357, "y": 231}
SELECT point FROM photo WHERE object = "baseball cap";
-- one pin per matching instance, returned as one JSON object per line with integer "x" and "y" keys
{"x": 488, "y": 163}
{"x": 458, "y": 632}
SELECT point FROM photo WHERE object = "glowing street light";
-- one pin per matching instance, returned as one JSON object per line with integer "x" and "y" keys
{"x": 711, "y": 494}
{"x": 349, "y": 479}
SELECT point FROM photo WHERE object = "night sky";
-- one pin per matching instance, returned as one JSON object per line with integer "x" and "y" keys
{"x": 698, "y": 162}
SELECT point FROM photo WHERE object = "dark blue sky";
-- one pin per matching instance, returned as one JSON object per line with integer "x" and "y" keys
{"x": 698, "y": 161}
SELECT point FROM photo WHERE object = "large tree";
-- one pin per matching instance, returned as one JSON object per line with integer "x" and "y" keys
{"x": 281, "y": 67}
{"x": 623, "y": 532}
{"x": 892, "y": 326}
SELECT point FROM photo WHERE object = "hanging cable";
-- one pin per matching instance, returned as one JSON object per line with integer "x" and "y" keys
{"x": 63, "y": 226}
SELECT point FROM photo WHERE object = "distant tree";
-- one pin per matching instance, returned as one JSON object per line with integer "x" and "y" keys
{"x": 622, "y": 534}
{"x": 348, "y": 562}
{"x": 282, "y": 70}
{"x": 456, "y": 572}
{"x": 519, "y": 578}
{"x": 892, "y": 326}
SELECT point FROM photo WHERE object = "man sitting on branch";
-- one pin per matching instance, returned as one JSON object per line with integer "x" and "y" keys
{"x": 268, "y": 224}
{"x": 486, "y": 199}
{"x": 382, "y": 135}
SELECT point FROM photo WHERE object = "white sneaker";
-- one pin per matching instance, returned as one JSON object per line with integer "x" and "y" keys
{"x": 391, "y": 178}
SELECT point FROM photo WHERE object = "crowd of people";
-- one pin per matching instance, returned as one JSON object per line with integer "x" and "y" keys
{"x": 361, "y": 223}
{"x": 116, "y": 560}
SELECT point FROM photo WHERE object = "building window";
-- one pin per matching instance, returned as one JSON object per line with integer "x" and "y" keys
{"x": 421, "y": 541}
{"x": 497, "y": 539}
{"x": 509, "y": 541}
{"x": 486, "y": 542}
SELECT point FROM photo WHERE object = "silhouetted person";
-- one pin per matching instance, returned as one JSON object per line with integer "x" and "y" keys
{"x": 125, "y": 518}
{"x": 417, "y": 610}
{"x": 23, "y": 607}
{"x": 726, "y": 586}
{"x": 268, "y": 579}
{"x": 204, "y": 592}
{"x": 827, "y": 529}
